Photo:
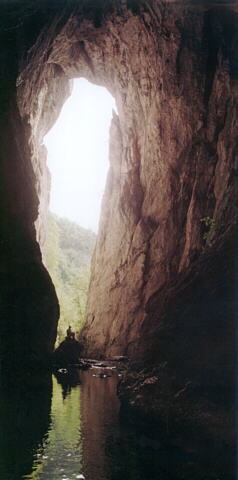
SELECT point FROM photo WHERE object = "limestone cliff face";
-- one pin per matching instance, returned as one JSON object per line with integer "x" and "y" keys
{"x": 172, "y": 154}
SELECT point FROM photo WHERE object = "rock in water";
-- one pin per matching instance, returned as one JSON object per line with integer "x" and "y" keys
{"x": 67, "y": 353}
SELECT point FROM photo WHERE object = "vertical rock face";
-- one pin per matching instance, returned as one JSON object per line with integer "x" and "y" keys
{"x": 168, "y": 208}
{"x": 28, "y": 307}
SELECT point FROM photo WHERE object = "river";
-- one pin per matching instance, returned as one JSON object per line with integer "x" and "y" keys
{"x": 68, "y": 427}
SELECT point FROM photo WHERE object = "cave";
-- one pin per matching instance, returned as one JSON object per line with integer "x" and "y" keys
{"x": 162, "y": 288}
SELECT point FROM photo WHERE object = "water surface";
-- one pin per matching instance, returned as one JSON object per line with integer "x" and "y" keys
{"x": 68, "y": 426}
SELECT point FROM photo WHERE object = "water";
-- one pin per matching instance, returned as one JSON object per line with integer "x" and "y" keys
{"x": 60, "y": 428}
{"x": 68, "y": 427}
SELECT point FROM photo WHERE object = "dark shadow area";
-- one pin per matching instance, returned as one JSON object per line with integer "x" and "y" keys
{"x": 86, "y": 433}
{"x": 173, "y": 453}
{"x": 121, "y": 444}
{"x": 67, "y": 353}
{"x": 68, "y": 379}
{"x": 25, "y": 405}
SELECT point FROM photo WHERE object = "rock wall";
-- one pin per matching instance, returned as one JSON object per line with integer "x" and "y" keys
{"x": 172, "y": 154}
{"x": 28, "y": 305}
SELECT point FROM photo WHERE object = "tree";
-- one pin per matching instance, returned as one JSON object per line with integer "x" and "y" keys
{"x": 67, "y": 256}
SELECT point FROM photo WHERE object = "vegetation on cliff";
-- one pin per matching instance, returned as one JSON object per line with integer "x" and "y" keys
{"x": 67, "y": 256}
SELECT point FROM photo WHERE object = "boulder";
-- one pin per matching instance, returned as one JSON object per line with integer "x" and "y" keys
{"x": 67, "y": 353}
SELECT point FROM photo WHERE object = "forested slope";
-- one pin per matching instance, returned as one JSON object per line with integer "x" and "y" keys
{"x": 67, "y": 256}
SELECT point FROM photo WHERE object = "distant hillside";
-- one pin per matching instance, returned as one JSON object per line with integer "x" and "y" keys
{"x": 67, "y": 256}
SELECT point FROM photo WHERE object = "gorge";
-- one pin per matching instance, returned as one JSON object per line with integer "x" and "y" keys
{"x": 162, "y": 288}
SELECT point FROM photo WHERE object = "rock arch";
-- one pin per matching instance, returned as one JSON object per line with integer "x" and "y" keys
{"x": 161, "y": 278}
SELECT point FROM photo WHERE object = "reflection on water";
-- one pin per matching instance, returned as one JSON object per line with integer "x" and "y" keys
{"x": 61, "y": 454}
{"x": 100, "y": 426}
{"x": 66, "y": 431}
{"x": 73, "y": 431}
{"x": 70, "y": 431}
{"x": 68, "y": 380}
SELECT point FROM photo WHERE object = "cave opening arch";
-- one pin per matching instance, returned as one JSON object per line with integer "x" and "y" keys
{"x": 44, "y": 85}
{"x": 162, "y": 286}
{"x": 159, "y": 168}
{"x": 78, "y": 161}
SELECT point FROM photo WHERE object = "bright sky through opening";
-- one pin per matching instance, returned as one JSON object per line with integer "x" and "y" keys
{"x": 78, "y": 154}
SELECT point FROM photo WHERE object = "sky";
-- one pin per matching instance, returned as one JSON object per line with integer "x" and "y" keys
{"x": 78, "y": 151}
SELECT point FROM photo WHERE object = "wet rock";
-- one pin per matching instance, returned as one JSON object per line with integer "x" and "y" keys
{"x": 62, "y": 370}
{"x": 177, "y": 406}
{"x": 99, "y": 365}
{"x": 84, "y": 365}
{"x": 119, "y": 358}
{"x": 67, "y": 353}
{"x": 101, "y": 375}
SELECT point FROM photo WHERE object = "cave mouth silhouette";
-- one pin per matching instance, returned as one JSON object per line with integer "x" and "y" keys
{"x": 78, "y": 153}
{"x": 78, "y": 161}
{"x": 151, "y": 76}
{"x": 61, "y": 53}
{"x": 38, "y": 89}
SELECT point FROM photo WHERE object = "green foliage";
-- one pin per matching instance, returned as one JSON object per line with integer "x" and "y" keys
{"x": 210, "y": 225}
{"x": 67, "y": 256}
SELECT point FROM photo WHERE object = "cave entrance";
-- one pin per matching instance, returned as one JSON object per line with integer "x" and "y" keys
{"x": 78, "y": 160}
